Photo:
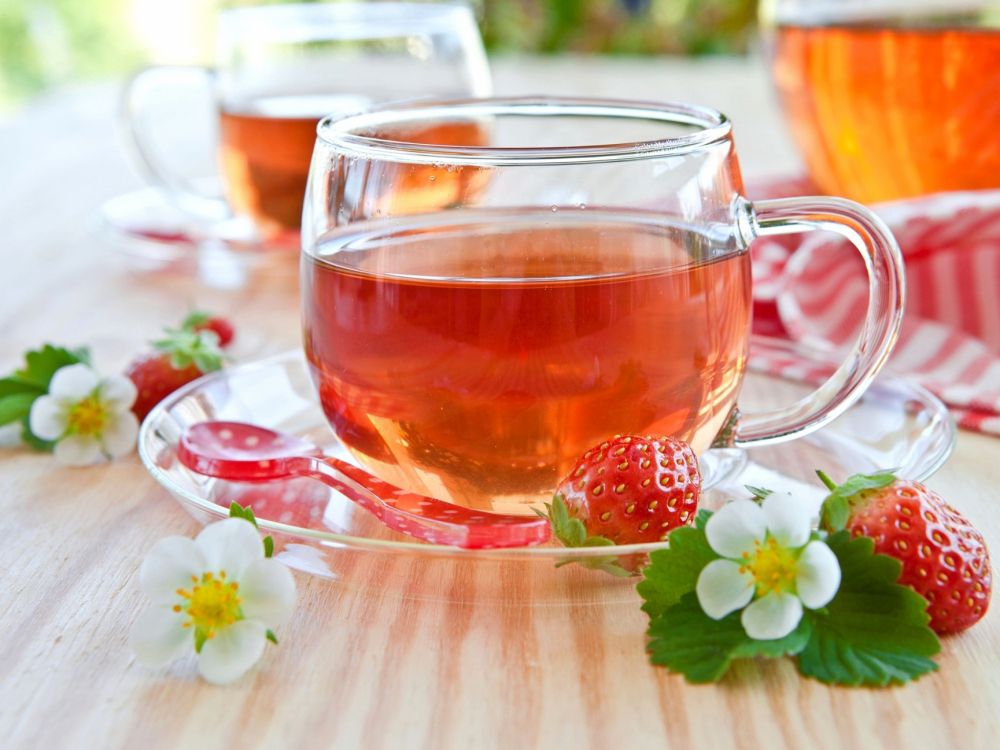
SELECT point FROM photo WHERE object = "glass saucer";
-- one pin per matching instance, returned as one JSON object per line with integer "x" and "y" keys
{"x": 895, "y": 425}
{"x": 153, "y": 233}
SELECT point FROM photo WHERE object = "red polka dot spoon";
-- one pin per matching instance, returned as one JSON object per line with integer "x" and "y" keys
{"x": 243, "y": 452}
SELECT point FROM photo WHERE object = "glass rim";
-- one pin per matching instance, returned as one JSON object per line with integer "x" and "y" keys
{"x": 343, "y": 20}
{"x": 342, "y": 133}
{"x": 819, "y": 12}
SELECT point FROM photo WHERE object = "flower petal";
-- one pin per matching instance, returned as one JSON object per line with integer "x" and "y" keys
{"x": 230, "y": 545}
{"x": 47, "y": 418}
{"x": 722, "y": 588}
{"x": 169, "y": 566}
{"x": 734, "y": 528}
{"x": 232, "y": 651}
{"x": 772, "y": 616}
{"x": 118, "y": 391}
{"x": 267, "y": 589}
{"x": 789, "y": 519}
{"x": 78, "y": 450}
{"x": 73, "y": 382}
{"x": 818, "y": 575}
{"x": 120, "y": 433}
{"x": 159, "y": 636}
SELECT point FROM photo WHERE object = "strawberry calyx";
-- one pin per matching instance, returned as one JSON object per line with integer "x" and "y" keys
{"x": 837, "y": 506}
{"x": 195, "y": 319}
{"x": 187, "y": 347}
{"x": 758, "y": 493}
{"x": 572, "y": 532}
{"x": 200, "y": 320}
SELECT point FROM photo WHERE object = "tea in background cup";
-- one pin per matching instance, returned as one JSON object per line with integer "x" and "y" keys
{"x": 890, "y": 99}
{"x": 596, "y": 281}
{"x": 281, "y": 68}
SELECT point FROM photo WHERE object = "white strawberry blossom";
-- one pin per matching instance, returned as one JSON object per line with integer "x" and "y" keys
{"x": 88, "y": 417}
{"x": 770, "y": 567}
{"x": 216, "y": 595}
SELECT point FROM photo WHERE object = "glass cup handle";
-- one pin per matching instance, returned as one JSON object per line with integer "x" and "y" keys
{"x": 139, "y": 89}
{"x": 886, "y": 292}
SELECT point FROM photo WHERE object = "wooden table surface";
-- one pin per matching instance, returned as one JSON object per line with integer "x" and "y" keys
{"x": 355, "y": 669}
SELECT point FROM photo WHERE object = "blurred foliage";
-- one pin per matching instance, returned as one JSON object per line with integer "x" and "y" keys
{"x": 691, "y": 27}
{"x": 48, "y": 42}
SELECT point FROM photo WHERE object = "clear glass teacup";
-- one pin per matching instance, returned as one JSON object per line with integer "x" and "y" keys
{"x": 278, "y": 70}
{"x": 476, "y": 317}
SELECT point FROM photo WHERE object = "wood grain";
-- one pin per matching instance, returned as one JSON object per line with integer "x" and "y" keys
{"x": 368, "y": 668}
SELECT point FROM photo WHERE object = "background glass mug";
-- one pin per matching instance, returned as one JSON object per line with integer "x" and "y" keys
{"x": 595, "y": 281}
{"x": 890, "y": 98}
{"x": 279, "y": 70}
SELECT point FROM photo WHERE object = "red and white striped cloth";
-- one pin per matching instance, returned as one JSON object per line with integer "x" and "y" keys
{"x": 950, "y": 342}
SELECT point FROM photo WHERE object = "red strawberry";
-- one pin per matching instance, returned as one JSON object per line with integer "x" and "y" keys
{"x": 944, "y": 557}
{"x": 181, "y": 357}
{"x": 202, "y": 321}
{"x": 628, "y": 490}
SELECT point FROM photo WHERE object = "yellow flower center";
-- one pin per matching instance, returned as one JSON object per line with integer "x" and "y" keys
{"x": 87, "y": 417}
{"x": 772, "y": 566}
{"x": 212, "y": 604}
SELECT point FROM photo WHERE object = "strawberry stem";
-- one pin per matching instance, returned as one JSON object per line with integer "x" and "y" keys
{"x": 830, "y": 484}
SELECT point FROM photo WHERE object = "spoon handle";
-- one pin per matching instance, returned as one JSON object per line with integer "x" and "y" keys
{"x": 425, "y": 518}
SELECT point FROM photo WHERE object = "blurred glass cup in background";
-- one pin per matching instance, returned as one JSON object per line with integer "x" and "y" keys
{"x": 889, "y": 99}
{"x": 279, "y": 70}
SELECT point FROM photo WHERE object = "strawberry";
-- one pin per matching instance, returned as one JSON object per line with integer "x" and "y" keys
{"x": 203, "y": 321}
{"x": 628, "y": 490}
{"x": 944, "y": 557}
{"x": 179, "y": 358}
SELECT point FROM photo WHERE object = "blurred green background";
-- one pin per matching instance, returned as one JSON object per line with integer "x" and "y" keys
{"x": 46, "y": 43}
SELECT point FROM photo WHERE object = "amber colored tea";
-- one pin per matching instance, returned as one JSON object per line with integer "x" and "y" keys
{"x": 882, "y": 112}
{"x": 265, "y": 163}
{"x": 476, "y": 361}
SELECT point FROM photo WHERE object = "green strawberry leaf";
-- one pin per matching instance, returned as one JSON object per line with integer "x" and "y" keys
{"x": 186, "y": 348}
{"x": 16, "y": 406}
{"x": 41, "y": 364}
{"x": 238, "y": 511}
{"x": 758, "y": 493}
{"x": 835, "y": 513}
{"x": 268, "y": 546}
{"x": 686, "y": 640}
{"x": 195, "y": 318}
{"x": 13, "y": 385}
{"x": 572, "y": 532}
{"x": 874, "y": 632}
{"x": 673, "y": 572}
{"x": 701, "y": 519}
{"x": 837, "y": 507}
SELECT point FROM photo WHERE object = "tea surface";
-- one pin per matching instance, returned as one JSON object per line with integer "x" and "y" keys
{"x": 476, "y": 361}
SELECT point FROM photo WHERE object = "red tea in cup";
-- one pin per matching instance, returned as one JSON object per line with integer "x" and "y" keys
{"x": 476, "y": 360}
